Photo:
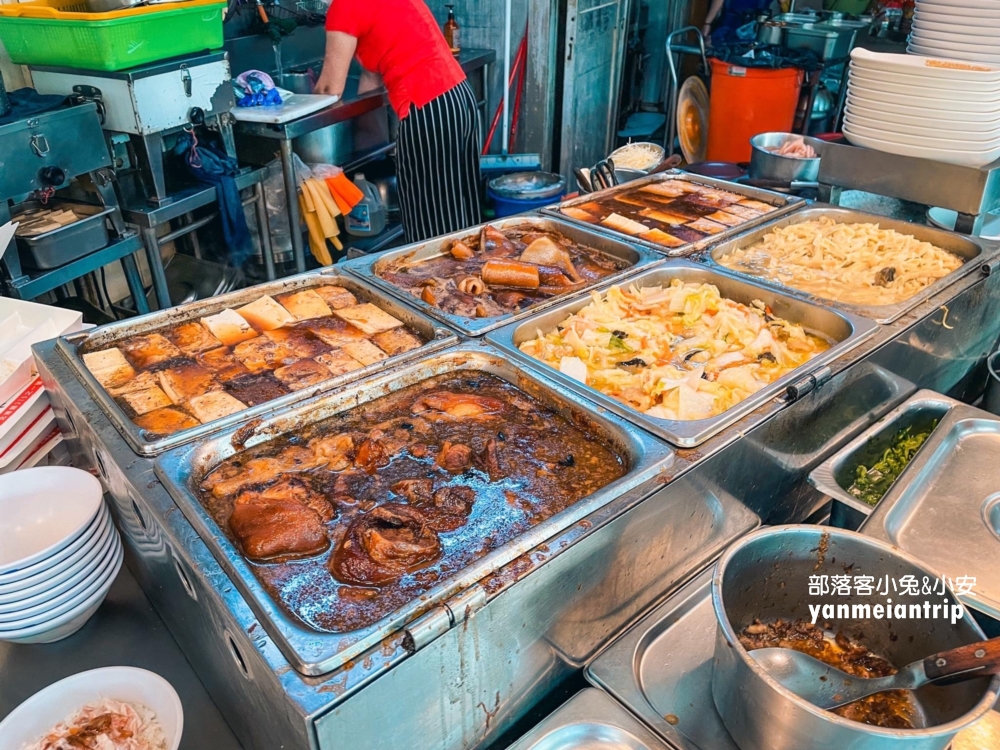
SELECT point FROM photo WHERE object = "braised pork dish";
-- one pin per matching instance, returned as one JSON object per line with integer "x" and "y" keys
{"x": 185, "y": 375}
{"x": 892, "y": 709}
{"x": 499, "y": 272}
{"x": 671, "y": 213}
{"x": 352, "y": 517}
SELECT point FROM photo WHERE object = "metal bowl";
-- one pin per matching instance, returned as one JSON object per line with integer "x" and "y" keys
{"x": 766, "y": 575}
{"x": 654, "y": 162}
{"x": 767, "y": 165}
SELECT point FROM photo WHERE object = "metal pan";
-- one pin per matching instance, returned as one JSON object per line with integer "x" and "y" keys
{"x": 836, "y": 475}
{"x": 970, "y": 249}
{"x": 314, "y": 653}
{"x": 945, "y": 506}
{"x": 783, "y": 205}
{"x": 72, "y": 346}
{"x": 367, "y": 267}
{"x": 846, "y": 330}
{"x": 589, "y": 720}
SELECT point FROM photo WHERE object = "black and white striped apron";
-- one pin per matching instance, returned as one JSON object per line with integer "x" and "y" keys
{"x": 437, "y": 159}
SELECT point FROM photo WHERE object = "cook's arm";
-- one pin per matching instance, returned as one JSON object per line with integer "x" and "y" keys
{"x": 369, "y": 81}
{"x": 713, "y": 13}
{"x": 340, "y": 49}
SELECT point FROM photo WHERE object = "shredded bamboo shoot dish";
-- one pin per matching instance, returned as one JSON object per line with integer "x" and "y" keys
{"x": 681, "y": 352}
{"x": 858, "y": 264}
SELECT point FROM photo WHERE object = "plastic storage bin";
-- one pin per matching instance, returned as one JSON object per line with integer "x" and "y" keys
{"x": 62, "y": 33}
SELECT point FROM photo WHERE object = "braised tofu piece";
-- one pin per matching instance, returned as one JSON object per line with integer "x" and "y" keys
{"x": 396, "y": 341}
{"x": 143, "y": 402}
{"x": 368, "y": 318}
{"x": 305, "y": 304}
{"x": 334, "y": 331}
{"x": 336, "y": 297}
{"x": 148, "y": 350}
{"x": 302, "y": 374}
{"x": 229, "y": 327}
{"x": 262, "y": 353}
{"x": 256, "y": 389}
{"x": 724, "y": 217}
{"x": 222, "y": 363}
{"x": 662, "y": 238}
{"x": 141, "y": 382}
{"x": 109, "y": 367}
{"x": 166, "y": 421}
{"x": 192, "y": 338}
{"x": 215, "y": 405}
{"x": 338, "y": 361}
{"x": 301, "y": 342}
{"x": 707, "y": 226}
{"x": 365, "y": 352}
{"x": 265, "y": 314}
{"x": 187, "y": 379}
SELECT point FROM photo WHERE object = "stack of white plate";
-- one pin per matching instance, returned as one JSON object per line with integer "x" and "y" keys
{"x": 932, "y": 108}
{"x": 961, "y": 29}
{"x": 59, "y": 553}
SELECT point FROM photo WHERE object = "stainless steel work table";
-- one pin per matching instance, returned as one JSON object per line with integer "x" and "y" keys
{"x": 471, "y": 60}
{"x": 126, "y": 631}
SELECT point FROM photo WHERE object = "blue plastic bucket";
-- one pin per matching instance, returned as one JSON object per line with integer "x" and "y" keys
{"x": 507, "y": 206}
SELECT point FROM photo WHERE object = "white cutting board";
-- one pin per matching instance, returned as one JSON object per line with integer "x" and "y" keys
{"x": 293, "y": 107}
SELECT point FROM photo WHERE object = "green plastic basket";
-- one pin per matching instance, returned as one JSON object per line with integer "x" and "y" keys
{"x": 109, "y": 41}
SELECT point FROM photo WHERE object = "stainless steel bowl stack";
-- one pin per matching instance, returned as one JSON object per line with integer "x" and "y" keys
{"x": 766, "y": 576}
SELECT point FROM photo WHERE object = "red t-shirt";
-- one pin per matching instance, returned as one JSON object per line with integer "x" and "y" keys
{"x": 400, "y": 40}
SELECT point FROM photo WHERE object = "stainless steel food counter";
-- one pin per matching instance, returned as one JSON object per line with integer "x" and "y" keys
{"x": 465, "y": 673}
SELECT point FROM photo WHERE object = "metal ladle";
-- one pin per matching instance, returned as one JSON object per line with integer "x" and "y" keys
{"x": 828, "y": 687}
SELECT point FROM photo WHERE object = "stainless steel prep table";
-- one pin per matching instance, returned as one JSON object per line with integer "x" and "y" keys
{"x": 476, "y": 671}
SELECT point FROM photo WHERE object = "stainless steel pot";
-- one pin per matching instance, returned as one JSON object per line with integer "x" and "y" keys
{"x": 766, "y": 575}
{"x": 767, "y": 165}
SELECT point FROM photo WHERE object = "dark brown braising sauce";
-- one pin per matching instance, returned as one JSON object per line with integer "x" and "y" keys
{"x": 545, "y": 464}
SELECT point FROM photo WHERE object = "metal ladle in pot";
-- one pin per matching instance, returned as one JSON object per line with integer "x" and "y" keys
{"x": 828, "y": 687}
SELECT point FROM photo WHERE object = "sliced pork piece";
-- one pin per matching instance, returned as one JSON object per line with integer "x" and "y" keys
{"x": 185, "y": 380}
{"x": 372, "y": 455}
{"x": 229, "y": 327}
{"x": 214, "y": 405}
{"x": 289, "y": 487}
{"x": 230, "y": 477}
{"x": 449, "y": 508}
{"x": 368, "y": 318}
{"x": 338, "y": 361}
{"x": 454, "y": 457}
{"x": 488, "y": 459}
{"x": 109, "y": 367}
{"x": 383, "y": 545}
{"x": 222, "y": 363}
{"x": 277, "y": 527}
{"x": 494, "y": 244}
{"x": 416, "y": 491}
{"x": 337, "y": 450}
{"x": 166, "y": 421}
{"x": 453, "y": 405}
{"x": 148, "y": 350}
{"x": 192, "y": 338}
{"x": 264, "y": 314}
{"x": 336, "y": 296}
{"x": 305, "y": 304}
{"x": 302, "y": 374}
{"x": 396, "y": 341}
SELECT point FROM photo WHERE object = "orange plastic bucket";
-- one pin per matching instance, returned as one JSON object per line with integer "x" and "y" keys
{"x": 745, "y": 102}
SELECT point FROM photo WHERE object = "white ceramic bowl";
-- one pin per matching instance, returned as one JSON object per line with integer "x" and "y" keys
{"x": 924, "y": 67}
{"x": 84, "y": 599}
{"x": 921, "y": 94}
{"x": 19, "y": 601}
{"x": 61, "y": 559}
{"x": 973, "y": 8}
{"x": 971, "y": 32}
{"x": 930, "y": 85}
{"x": 954, "y": 17}
{"x": 46, "y": 708}
{"x": 49, "y": 603}
{"x": 924, "y": 141}
{"x": 935, "y": 105}
{"x": 864, "y": 102}
{"x": 916, "y": 130}
{"x": 52, "y": 578}
{"x": 934, "y": 40}
{"x": 941, "y": 49}
{"x": 42, "y": 511}
{"x": 947, "y": 156}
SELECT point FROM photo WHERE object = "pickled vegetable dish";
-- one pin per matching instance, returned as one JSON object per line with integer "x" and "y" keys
{"x": 871, "y": 483}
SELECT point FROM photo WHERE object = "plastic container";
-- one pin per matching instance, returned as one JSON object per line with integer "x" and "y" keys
{"x": 525, "y": 191}
{"x": 62, "y": 33}
{"x": 746, "y": 102}
{"x": 368, "y": 217}
{"x": 505, "y": 206}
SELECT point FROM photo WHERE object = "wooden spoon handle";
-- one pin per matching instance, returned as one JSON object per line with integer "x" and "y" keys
{"x": 975, "y": 659}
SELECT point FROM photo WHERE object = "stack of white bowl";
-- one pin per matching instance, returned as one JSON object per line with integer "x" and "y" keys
{"x": 960, "y": 29}
{"x": 927, "y": 107}
{"x": 59, "y": 553}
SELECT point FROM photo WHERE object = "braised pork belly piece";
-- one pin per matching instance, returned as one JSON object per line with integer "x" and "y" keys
{"x": 206, "y": 369}
{"x": 499, "y": 272}
{"x": 408, "y": 489}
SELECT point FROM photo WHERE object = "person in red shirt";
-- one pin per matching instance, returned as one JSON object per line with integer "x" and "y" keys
{"x": 438, "y": 146}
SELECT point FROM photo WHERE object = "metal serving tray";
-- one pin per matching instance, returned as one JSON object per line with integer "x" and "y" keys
{"x": 142, "y": 443}
{"x": 661, "y": 670}
{"x": 945, "y": 506}
{"x": 368, "y": 267}
{"x": 836, "y": 475}
{"x": 784, "y": 204}
{"x": 313, "y": 652}
{"x": 971, "y": 249}
{"x": 845, "y": 329}
{"x": 589, "y": 720}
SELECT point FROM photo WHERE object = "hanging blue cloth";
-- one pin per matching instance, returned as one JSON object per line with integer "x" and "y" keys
{"x": 209, "y": 164}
